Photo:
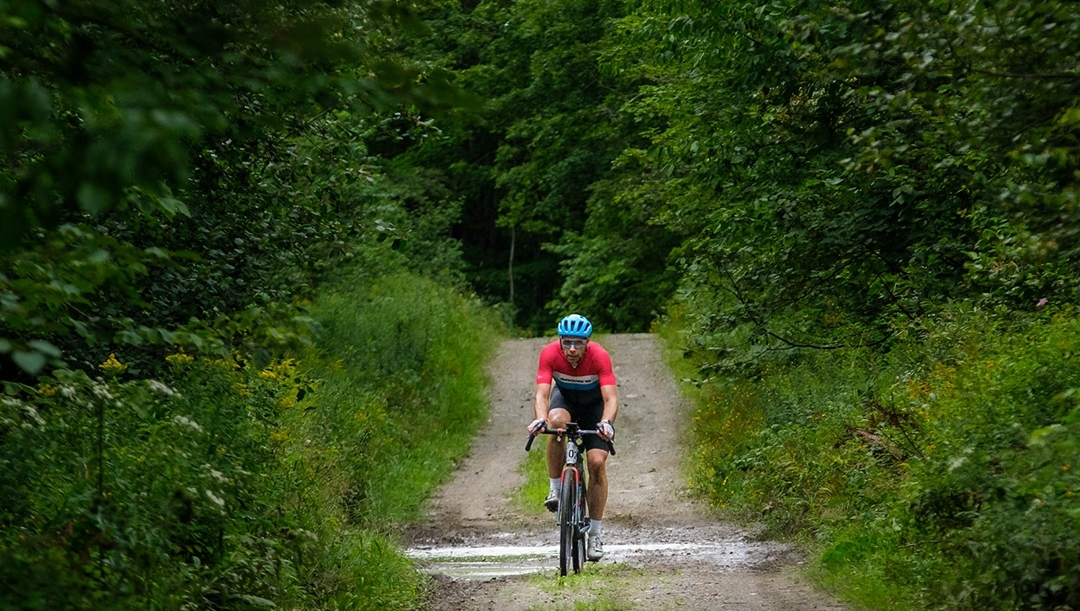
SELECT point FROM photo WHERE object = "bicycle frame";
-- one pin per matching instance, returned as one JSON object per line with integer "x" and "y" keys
{"x": 573, "y": 516}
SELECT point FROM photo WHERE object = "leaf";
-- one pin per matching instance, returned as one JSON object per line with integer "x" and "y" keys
{"x": 43, "y": 347}
{"x": 262, "y": 358}
{"x": 255, "y": 600}
{"x": 93, "y": 199}
{"x": 172, "y": 206}
{"x": 1038, "y": 436}
{"x": 1070, "y": 117}
{"x": 30, "y": 362}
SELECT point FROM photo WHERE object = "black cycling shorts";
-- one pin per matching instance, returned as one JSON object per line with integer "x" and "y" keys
{"x": 586, "y": 417}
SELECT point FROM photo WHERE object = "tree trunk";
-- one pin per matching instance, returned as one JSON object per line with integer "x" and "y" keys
{"x": 510, "y": 263}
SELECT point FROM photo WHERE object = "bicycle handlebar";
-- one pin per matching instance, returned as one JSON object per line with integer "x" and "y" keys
{"x": 575, "y": 432}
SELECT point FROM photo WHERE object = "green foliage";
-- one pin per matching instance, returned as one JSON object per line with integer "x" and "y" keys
{"x": 824, "y": 174}
{"x": 524, "y": 168}
{"x": 531, "y": 494}
{"x": 231, "y": 485}
{"x": 104, "y": 100}
{"x": 836, "y": 171}
{"x": 417, "y": 402}
{"x": 181, "y": 175}
{"x": 939, "y": 475}
{"x": 176, "y": 183}
{"x": 146, "y": 491}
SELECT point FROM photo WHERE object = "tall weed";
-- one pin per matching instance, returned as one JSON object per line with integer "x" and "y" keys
{"x": 402, "y": 361}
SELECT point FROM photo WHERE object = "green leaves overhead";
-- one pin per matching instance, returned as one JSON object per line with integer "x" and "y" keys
{"x": 102, "y": 103}
{"x": 835, "y": 169}
{"x": 168, "y": 168}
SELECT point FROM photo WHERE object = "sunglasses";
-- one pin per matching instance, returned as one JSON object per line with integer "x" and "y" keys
{"x": 574, "y": 343}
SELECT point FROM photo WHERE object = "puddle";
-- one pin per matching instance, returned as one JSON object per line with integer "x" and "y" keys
{"x": 490, "y": 561}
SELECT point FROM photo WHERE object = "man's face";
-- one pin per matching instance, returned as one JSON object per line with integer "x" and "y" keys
{"x": 573, "y": 348}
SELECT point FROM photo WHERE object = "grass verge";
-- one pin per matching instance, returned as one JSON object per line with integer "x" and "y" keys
{"x": 596, "y": 589}
{"x": 530, "y": 496}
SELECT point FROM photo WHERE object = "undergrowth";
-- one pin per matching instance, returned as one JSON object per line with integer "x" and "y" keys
{"x": 940, "y": 474}
{"x": 227, "y": 485}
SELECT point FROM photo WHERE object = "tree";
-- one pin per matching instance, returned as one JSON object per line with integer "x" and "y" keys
{"x": 838, "y": 170}
{"x": 141, "y": 129}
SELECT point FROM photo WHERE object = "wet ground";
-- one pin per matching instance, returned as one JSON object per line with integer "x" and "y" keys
{"x": 509, "y": 554}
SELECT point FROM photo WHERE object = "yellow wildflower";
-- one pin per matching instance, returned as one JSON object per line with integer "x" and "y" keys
{"x": 180, "y": 359}
{"x": 112, "y": 366}
{"x": 281, "y": 371}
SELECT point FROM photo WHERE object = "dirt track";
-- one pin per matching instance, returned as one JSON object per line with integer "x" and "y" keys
{"x": 664, "y": 551}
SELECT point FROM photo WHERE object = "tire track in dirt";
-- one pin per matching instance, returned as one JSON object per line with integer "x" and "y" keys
{"x": 721, "y": 566}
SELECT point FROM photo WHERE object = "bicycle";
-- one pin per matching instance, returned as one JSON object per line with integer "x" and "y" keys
{"x": 573, "y": 515}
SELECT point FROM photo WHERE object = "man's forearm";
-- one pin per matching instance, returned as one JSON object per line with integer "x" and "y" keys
{"x": 540, "y": 403}
{"x": 611, "y": 403}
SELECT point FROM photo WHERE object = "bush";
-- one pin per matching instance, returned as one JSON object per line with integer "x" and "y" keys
{"x": 939, "y": 474}
{"x": 226, "y": 485}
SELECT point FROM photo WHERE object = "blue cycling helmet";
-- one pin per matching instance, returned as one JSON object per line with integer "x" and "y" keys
{"x": 575, "y": 325}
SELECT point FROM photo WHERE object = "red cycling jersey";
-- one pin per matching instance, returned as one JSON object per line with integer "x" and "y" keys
{"x": 581, "y": 384}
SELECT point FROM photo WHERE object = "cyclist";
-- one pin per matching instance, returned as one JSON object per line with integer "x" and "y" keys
{"x": 583, "y": 392}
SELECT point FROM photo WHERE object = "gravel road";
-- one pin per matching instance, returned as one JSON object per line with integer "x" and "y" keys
{"x": 664, "y": 549}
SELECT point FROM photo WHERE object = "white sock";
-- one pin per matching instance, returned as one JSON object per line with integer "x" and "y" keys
{"x": 556, "y": 485}
{"x": 594, "y": 528}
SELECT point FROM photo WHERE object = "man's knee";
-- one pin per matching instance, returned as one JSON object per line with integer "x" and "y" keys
{"x": 597, "y": 463}
{"x": 558, "y": 418}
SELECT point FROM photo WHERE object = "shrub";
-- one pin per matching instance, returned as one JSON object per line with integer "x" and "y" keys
{"x": 937, "y": 474}
{"x": 228, "y": 485}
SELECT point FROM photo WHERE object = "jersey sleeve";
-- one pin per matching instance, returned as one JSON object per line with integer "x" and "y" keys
{"x": 606, "y": 370}
{"x": 545, "y": 369}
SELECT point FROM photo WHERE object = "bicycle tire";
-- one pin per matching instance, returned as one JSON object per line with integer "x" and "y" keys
{"x": 580, "y": 509}
{"x": 567, "y": 506}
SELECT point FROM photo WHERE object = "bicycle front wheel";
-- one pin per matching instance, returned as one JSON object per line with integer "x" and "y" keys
{"x": 567, "y": 528}
{"x": 579, "y": 527}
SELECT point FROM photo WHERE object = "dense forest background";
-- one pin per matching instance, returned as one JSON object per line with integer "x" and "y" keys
{"x": 245, "y": 247}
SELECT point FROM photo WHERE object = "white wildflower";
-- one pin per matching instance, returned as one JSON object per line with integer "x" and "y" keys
{"x": 33, "y": 413}
{"x": 184, "y": 420}
{"x": 101, "y": 391}
{"x": 216, "y": 499}
{"x": 218, "y": 475}
{"x": 156, "y": 386}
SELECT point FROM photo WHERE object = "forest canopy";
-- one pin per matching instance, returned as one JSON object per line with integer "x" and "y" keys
{"x": 236, "y": 197}
{"x": 820, "y": 172}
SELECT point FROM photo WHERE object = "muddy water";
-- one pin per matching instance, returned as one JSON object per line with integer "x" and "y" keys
{"x": 481, "y": 561}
